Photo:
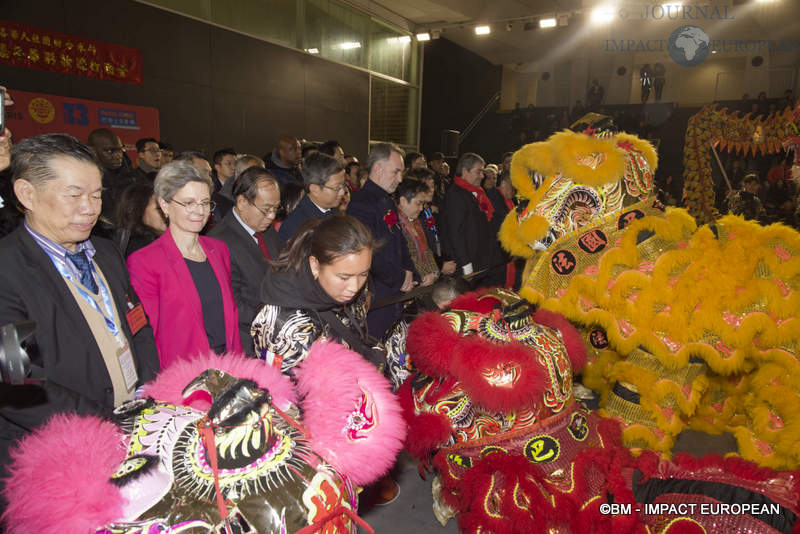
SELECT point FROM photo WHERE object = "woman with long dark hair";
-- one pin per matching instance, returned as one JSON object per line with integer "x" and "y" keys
{"x": 316, "y": 289}
{"x": 139, "y": 219}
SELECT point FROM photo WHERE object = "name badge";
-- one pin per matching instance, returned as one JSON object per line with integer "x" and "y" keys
{"x": 136, "y": 318}
{"x": 125, "y": 357}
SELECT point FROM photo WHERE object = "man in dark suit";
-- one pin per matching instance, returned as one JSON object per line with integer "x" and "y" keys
{"x": 392, "y": 268}
{"x": 325, "y": 185}
{"x": 109, "y": 150}
{"x": 466, "y": 224}
{"x": 252, "y": 241}
{"x": 92, "y": 346}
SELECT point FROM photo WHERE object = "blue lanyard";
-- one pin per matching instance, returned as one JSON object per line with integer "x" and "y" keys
{"x": 104, "y": 294}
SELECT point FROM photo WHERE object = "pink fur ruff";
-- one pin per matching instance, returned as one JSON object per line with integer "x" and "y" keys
{"x": 59, "y": 477}
{"x": 576, "y": 349}
{"x": 169, "y": 384}
{"x": 331, "y": 381}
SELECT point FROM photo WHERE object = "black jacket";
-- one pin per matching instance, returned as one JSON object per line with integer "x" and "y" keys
{"x": 390, "y": 262}
{"x": 248, "y": 266}
{"x": 467, "y": 236}
{"x": 75, "y": 374}
{"x": 304, "y": 211}
{"x": 283, "y": 174}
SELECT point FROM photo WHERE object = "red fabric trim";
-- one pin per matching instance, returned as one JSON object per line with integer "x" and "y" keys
{"x": 483, "y": 201}
{"x": 207, "y": 434}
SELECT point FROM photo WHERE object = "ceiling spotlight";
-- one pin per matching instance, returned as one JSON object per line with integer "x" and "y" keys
{"x": 312, "y": 50}
{"x": 424, "y": 36}
{"x": 483, "y": 30}
{"x": 509, "y": 26}
{"x": 547, "y": 23}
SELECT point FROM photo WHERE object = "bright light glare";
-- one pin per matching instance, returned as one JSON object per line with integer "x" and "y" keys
{"x": 350, "y": 45}
{"x": 547, "y": 23}
{"x": 312, "y": 50}
{"x": 602, "y": 14}
{"x": 424, "y": 36}
{"x": 404, "y": 39}
{"x": 482, "y": 30}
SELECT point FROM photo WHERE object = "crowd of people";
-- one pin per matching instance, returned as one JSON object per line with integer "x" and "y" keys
{"x": 127, "y": 268}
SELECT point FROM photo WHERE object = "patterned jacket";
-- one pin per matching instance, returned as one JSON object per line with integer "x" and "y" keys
{"x": 283, "y": 336}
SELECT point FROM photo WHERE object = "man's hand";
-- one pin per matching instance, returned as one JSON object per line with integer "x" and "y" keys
{"x": 408, "y": 284}
{"x": 5, "y": 138}
{"x": 449, "y": 267}
{"x": 5, "y": 149}
{"x": 428, "y": 279}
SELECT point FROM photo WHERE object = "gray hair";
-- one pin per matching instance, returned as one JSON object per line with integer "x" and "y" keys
{"x": 173, "y": 176}
{"x": 243, "y": 161}
{"x": 467, "y": 161}
{"x": 318, "y": 168}
{"x": 382, "y": 152}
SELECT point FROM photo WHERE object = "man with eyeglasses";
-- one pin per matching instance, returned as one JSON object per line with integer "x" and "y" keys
{"x": 325, "y": 183}
{"x": 252, "y": 241}
{"x": 92, "y": 346}
{"x": 110, "y": 152}
{"x": 149, "y": 158}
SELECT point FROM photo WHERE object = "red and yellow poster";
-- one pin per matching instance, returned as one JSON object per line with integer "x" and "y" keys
{"x": 38, "y": 113}
{"x": 37, "y": 48}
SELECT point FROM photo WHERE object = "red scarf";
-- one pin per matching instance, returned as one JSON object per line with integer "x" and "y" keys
{"x": 483, "y": 201}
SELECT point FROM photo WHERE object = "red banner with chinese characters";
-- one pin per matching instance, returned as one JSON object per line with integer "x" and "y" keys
{"x": 38, "y": 113}
{"x": 36, "y": 48}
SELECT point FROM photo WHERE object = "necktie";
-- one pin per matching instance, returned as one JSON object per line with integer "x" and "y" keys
{"x": 261, "y": 244}
{"x": 81, "y": 262}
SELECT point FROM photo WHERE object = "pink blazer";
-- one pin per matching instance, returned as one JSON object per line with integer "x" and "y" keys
{"x": 162, "y": 280}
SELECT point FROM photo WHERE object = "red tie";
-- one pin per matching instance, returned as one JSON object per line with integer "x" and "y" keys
{"x": 261, "y": 244}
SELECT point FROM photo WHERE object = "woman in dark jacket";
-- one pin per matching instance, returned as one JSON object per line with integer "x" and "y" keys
{"x": 139, "y": 219}
{"x": 316, "y": 289}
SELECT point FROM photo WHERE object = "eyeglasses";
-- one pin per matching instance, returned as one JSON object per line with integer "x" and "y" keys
{"x": 271, "y": 210}
{"x": 338, "y": 189}
{"x": 194, "y": 206}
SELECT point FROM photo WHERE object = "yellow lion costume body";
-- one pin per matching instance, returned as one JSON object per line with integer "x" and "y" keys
{"x": 686, "y": 326}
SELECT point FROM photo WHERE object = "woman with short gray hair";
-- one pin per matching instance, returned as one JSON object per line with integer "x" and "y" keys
{"x": 183, "y": 278}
